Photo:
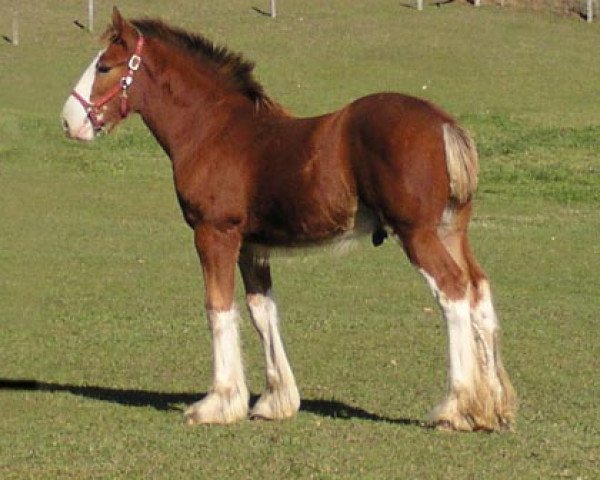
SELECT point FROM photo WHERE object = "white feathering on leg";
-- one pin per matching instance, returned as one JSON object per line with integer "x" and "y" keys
{"x": 228, "y": 399}
{"x": 281, "y": 399}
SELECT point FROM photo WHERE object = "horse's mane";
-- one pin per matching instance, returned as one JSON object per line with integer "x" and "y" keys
{"x": 229, "y": 64}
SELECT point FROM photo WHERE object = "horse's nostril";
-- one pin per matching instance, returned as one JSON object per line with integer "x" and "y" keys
{"x": 65, "y": 125}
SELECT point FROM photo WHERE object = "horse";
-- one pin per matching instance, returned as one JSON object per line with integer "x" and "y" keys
{"x": 251, "y": 178}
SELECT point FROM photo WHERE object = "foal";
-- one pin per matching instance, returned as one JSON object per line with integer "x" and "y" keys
{"x": 250, "y": 177}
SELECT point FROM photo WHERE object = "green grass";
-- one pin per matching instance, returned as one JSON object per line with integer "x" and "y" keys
{"x": 100, "y": 288}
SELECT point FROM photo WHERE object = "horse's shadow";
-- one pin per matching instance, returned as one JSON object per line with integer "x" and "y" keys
{"x": 165, "y": 401}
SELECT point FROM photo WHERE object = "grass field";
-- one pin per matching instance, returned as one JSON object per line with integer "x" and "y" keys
{"x": 101, "y": 294}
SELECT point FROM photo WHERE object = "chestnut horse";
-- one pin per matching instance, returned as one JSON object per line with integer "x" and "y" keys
{"x": 250, "y": 177}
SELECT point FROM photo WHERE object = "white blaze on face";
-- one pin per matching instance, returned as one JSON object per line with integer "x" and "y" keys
{"x": 74, "y": 116}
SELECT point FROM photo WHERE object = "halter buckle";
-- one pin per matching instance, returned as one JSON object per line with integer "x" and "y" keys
{"x": 126, "y": 82}
{"x": 134, "y": 62}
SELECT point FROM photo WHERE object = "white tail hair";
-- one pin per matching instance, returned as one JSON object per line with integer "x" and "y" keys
{"x": 462, "y": 162}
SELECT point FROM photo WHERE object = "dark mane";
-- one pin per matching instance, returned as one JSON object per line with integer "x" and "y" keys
{"x": 231, "y": 65}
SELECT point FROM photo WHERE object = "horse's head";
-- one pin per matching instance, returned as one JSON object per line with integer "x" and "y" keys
{"x": 100, "y": 99}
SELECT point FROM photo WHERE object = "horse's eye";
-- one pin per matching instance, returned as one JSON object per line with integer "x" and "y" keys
{"x": 102, "y": 68}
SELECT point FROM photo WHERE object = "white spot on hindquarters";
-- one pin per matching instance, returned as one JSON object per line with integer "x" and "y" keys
{"x": 74, "y": 115}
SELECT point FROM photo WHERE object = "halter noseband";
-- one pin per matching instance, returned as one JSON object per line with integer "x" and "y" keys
{"x": 93, "y": 108}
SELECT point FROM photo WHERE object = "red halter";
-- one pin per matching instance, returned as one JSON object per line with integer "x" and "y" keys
{"x": 93, "y": 108}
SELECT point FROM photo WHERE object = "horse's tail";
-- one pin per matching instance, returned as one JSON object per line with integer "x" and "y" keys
{"x": 462, "y": 162}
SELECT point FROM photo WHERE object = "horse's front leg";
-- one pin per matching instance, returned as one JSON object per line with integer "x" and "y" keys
{"x": 227, "y": 401}
{"x": 281, "y": 398}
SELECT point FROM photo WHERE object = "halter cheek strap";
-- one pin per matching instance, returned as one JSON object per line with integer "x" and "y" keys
{"x": 93, "y": 108}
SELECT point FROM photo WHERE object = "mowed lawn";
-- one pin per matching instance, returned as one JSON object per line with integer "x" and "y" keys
{"x": 103, "y": 339}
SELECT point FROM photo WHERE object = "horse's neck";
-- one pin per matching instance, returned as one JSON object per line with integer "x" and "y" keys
{"x": 183, "y": 109}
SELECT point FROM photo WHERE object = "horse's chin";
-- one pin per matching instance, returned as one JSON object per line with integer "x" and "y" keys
{"x": 84, "y": 134}
{"x": 78, "y": 131}
{"x": 87, "y": 133}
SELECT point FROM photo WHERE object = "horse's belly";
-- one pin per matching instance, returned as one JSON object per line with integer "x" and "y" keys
{"x": 315, "y": 228}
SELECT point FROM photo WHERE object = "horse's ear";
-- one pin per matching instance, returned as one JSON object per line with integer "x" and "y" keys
{"x": 124, "y": 30}
{"x": 117, "y": 20}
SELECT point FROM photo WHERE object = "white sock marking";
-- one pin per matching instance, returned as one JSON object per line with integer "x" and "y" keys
{"x": 460, "y": 336}
{"x": 485, "y": 323}
{"x": 227, "y": 359}
{"x": 266, "y": 320}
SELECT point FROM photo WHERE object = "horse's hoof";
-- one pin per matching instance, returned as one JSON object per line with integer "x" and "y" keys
{"x": 277, "y": 405}
{"x": 216, "y": 409}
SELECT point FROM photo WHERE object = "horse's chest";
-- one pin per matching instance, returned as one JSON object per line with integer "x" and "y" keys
{"x": 211, "y": 199}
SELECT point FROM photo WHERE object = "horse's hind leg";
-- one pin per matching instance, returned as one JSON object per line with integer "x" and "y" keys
{"x": 472, "y": 402}
{"x": 281, "y": 398}
{"x": 449, "y": 285}
{"x": 487, "y": 331}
